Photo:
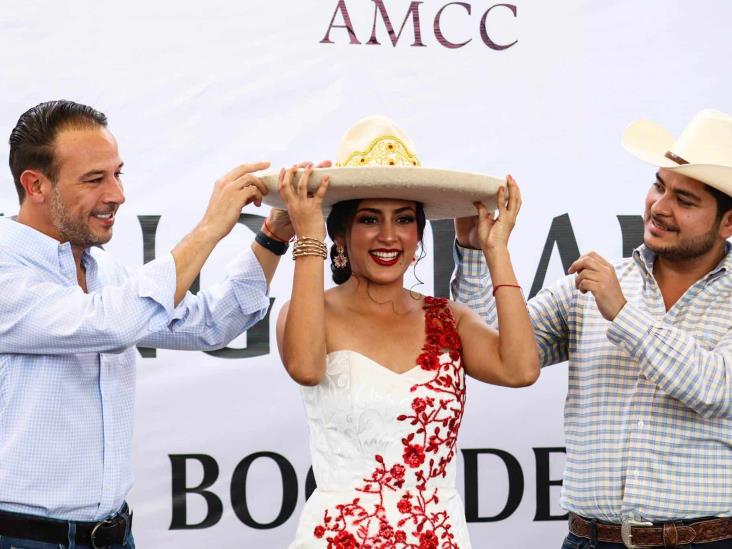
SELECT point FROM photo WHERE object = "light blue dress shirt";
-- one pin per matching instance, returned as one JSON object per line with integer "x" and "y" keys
{"x": 67, "y": 363}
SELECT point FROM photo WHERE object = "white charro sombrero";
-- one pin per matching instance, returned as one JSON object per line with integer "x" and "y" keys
{"x": 376, "y": 159}
{"x": 703, "y": 151}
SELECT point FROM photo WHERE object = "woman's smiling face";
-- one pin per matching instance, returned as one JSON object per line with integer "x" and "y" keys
{"x": 383, "y": 239}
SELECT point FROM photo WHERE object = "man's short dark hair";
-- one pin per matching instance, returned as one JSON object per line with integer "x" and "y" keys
{"x": 32, "y": 138}
{"x": 724, "y": 201}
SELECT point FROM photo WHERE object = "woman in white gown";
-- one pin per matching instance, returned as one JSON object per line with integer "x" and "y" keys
{"x": 382, "y": 368}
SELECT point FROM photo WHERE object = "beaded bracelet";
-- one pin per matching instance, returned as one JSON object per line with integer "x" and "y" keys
{"x": 309, "y": 246}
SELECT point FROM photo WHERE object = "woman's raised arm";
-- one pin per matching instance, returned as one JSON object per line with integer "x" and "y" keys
{"x": 301, "y": 322}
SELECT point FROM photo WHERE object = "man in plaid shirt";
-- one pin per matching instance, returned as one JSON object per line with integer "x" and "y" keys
{"x": 648, "y": 416}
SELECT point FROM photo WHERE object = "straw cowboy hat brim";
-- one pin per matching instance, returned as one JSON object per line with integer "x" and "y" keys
{"x": 703, "y": 151}
{"x": 445, "y": 194}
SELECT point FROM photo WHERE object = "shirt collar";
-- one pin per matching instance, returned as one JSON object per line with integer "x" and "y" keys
{"x": 39, "y": 247}
{"x": 644, "y": 258}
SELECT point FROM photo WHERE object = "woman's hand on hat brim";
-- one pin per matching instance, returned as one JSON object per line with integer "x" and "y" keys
{"x": 305, "y": 209}
{"x": 494, "y": 231}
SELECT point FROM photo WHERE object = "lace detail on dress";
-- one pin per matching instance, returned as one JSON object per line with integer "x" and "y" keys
{"x": 427, "y": 451}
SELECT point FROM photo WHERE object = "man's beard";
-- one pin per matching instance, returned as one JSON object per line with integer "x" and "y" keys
{"x": 689, "y": 248}
{"x": 73, "y": 230}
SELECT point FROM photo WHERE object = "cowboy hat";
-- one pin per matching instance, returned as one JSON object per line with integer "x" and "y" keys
{"x": 703, "y": 151}
{"x": 376, "y": 159}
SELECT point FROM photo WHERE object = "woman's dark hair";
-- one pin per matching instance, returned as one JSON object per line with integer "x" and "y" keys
{"x": 32, "y": 138}
{"x": 339, "y": 224}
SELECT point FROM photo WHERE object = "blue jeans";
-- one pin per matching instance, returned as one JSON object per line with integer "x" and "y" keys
{"x": 575, "y": 542}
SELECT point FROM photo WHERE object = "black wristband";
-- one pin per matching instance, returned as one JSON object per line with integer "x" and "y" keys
{"x": 275, "y": 246}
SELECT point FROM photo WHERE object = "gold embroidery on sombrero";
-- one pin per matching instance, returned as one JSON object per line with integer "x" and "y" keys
{"x": 385, "y": 150}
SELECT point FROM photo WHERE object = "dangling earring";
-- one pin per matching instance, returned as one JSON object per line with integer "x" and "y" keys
{"x": 340, "y": 260}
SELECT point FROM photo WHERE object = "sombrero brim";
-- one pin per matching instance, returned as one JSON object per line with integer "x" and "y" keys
{"x": 649, "y": 142}
{"x": 446, "y": 194}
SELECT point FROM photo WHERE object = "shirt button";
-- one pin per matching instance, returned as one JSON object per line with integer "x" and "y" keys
{"x": 636, "y": 474}
{"x": 641, "y": 424}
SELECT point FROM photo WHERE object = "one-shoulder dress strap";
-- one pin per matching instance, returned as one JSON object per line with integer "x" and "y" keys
{"x": 440, "y": 326}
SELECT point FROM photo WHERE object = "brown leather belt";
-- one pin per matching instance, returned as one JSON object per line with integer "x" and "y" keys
{"x": 96, "y": 534}
{"x": 669, "y": 534}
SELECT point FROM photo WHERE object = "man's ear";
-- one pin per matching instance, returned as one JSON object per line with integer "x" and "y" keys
{"x": 36, "y": 185}
{"x": 725, "y": 225}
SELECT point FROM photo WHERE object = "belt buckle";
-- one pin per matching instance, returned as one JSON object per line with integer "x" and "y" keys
{"x": 96, "y": 530}
{"x": 626, "y": 531}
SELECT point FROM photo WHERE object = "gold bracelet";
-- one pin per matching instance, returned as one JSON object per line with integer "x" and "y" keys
{"x": 307, "y": 245}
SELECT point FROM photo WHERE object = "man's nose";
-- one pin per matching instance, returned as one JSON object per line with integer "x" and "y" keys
{"x": 114, "y": 192}
{"x": 661, "y": 205}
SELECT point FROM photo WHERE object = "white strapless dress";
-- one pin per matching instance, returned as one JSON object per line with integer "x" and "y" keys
{"x": 383, "y": 449}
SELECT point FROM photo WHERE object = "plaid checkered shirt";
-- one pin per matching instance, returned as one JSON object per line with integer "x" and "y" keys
{"x": 648, "y": 414}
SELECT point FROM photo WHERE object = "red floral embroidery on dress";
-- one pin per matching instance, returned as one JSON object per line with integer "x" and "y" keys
{"x": 437, "y": 421}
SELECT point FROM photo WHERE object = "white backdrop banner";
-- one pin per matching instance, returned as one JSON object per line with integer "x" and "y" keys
{"x": 536, "y": 88}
